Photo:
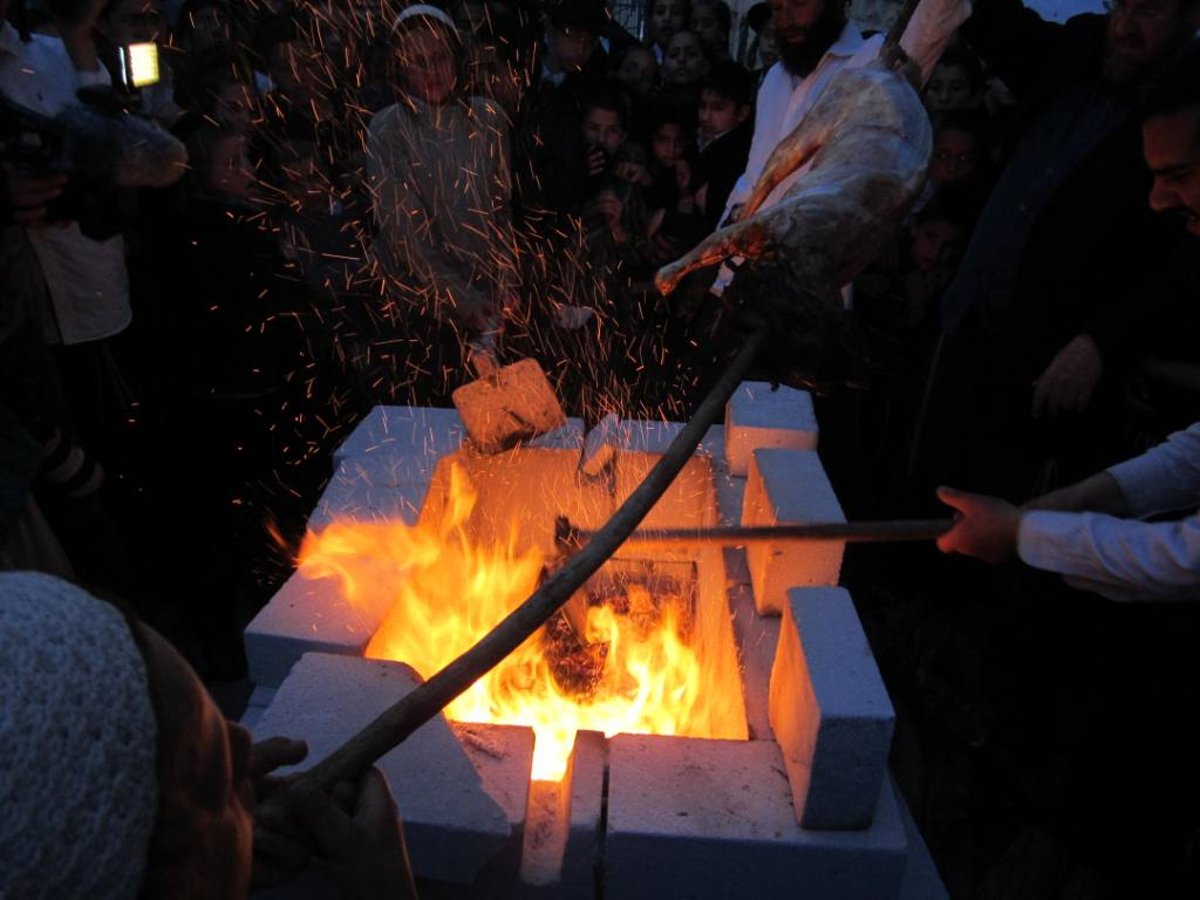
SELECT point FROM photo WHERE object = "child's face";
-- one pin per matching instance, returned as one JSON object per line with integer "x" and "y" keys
{"x": 955, "y": 157}
{"x": 705, "y": 23}
{"x": 231, "y": 173}
{"x": 936, "y": 244}
{"x": 236, "y": 106}
{"x": 949, "y": 88}
{"x": 571, "y": 45}
{"x": 428, "y": 68}
{"x": 718, "y": 114}
{"x": 667, "y": 143}
{"x": 684, "y": 62}
{"x": 602, "y": 128}
{"x": 307, "y": 185}
{"x": 666, "y": 18}
{"x": 637, "y": 71}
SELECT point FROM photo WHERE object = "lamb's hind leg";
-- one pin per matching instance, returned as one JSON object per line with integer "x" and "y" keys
{"x": 789, "y": 155}
{"x": 750, "y": 239}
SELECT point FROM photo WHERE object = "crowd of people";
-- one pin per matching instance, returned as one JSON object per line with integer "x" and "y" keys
{"x": 376, "y": 192}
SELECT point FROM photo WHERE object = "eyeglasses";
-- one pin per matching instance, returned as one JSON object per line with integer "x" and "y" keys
{"x": 1145, "y": 13}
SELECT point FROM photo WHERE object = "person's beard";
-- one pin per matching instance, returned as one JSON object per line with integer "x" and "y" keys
{"x": 800, "y": 59}
{"x": 1129, "y": 61}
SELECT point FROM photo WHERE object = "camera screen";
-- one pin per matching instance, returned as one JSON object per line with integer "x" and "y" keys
{"x": 139, "y": 65}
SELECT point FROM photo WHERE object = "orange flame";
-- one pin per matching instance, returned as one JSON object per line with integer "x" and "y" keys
{"x": 445, "y": 593}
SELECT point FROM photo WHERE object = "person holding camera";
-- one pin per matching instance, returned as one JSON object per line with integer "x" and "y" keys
{"x": 65, "y": 293}
{"x": 85, "y": 279}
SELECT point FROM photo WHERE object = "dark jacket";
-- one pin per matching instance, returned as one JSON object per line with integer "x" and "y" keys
{"x": 1088, "y": 247}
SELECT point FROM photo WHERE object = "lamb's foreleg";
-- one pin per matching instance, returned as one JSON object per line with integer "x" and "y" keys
{"x": 750, "y": 239}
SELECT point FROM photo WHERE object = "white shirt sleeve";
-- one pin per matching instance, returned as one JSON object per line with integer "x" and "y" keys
{"x": 1125, "y": 559}
{"x": 1122, "y": 559}
{"x": 1164, "y": 478}
{"x": 929, "y": 31}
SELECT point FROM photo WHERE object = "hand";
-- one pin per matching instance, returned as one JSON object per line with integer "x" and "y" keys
{"x": 597, "y": 162}
{"x": 683, "y": 174}
{"x": 984, "y": 527}
{"x": 281, "y": 845}
{"x": 29, "y": 196}
{"x": 1068, "y": 382}
{"x": 632, "y": 172}
{"x": 610, "y": 209}
{"x": 359, "y": 832}
{"x": 573, "y": 317}
{"x": 474, "y": 315}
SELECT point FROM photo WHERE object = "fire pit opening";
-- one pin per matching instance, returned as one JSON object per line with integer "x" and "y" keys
{"x": 656, "y": 654}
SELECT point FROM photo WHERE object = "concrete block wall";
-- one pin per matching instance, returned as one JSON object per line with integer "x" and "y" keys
{"x": 789, "y": 487}
{"x": 691, "y": 818}
{"x": 305, "y": 615}
{"x": 657, "y": 815}
{"x": 757, "y": 417}
{"x": 830, "y": 711}
{"x": 462, "y": 800}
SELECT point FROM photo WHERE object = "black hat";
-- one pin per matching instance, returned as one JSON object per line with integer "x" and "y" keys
{"x": 592, "y": 15}
{"x": 758, "y": 15}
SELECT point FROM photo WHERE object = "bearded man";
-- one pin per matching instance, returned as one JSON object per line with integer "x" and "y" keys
{"x": 815, "y": 42}
{"x": 1048, "y": 306}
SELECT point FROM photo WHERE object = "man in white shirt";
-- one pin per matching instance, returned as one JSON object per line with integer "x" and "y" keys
{"x": 815, "y": 43}
{"x": 1084, "y": 532}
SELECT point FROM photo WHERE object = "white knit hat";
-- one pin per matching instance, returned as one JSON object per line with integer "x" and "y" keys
{"x": 425, "y": 11}
{"x": 78, "y": 786}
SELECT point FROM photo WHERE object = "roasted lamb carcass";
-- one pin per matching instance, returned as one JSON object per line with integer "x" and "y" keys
{"x": 869, "y": 141}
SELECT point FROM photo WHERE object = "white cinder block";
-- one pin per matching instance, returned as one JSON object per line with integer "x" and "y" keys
{"x": 713, "y": 445}
{"x": 601, "y": 445}
{"x": 260, "y": 699}
{"x": 453, "y": 824}
{"x": 568, "y": 437}
{"x": 306, "y": 615}
{"x": 696, "y": 818}
{"x": 582, "y": 853}
{"x": 648, "y": 435}
{"x": 789, "y": 487}
{"x": 757, "y": 637}
{"x": 757, "y": 417}
{"x": 830, "y": 711}
{"x": 406, "y": 430}
{"x": 374, "y": 488}
{"x": 690, "y": 501}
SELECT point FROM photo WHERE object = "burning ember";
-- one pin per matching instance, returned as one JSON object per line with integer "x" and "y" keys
{"x": 645, "y": 665}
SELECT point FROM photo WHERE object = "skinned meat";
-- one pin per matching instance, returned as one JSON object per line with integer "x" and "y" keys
{"x": 869, "y": 140}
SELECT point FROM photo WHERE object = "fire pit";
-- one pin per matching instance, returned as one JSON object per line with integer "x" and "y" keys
{"x": 718, "y": 727}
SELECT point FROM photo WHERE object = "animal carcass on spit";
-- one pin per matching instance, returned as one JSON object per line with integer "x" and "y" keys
{"x": 869, "y": 141}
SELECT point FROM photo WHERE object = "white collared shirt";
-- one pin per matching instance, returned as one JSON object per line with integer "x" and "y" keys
{"x": 1126, "y": 559}
{"x": 86, "y": 279}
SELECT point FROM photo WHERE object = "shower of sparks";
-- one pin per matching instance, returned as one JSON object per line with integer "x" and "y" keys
{"x": 382, "y": 240}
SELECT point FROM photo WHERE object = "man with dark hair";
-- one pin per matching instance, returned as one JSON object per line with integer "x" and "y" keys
{"x": 1045, "y": 307}
{"x": 1171, "y": 143}
{"x": 1083, "y": 531}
